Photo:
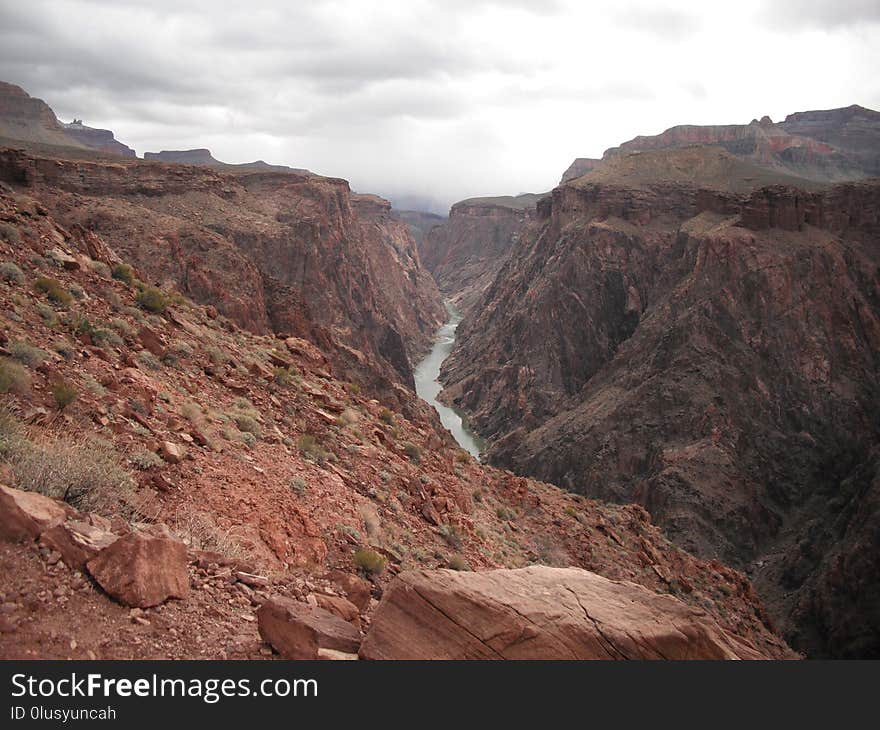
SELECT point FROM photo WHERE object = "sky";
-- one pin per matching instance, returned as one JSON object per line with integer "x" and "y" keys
{"x": 432, "y": 101}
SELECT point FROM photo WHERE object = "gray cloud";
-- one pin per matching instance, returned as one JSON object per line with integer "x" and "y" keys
{"x": 437, "y": 99}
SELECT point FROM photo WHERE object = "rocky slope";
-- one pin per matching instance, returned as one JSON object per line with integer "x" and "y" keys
{"x": 710, "y": 353}
{"x": 274, "y": 252}
{"x": 827, "y": 146}
{"x": 465, "y": 253}
{"x": 131, "y": 408}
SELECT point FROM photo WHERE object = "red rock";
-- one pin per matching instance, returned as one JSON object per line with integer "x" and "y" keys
{"x": 151, "y": 341}
{"x": 171, "y": 452}
{"x": 539, "y": 613}
{"x": 78, "y": 542}
{"x": 298, "y": 631}
{"x": 339, "y": 606}
{"x": 142, "y": 570}
{"x": 356, "y": 589}
{"x": 26, "y": 515}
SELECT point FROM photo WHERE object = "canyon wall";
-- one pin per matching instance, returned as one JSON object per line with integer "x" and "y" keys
{"x": 709, "y": 353}
{"x": 285, "y": 252}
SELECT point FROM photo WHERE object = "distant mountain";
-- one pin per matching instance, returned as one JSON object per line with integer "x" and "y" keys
{"x": 204, "y": 158}
{"x": 26, "y": 119}
{"x": 833, "y": 145}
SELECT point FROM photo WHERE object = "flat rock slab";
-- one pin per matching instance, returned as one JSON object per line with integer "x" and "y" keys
{"x": 142, "y": 570}
{"x": 539, "y": 613}
{"x": 301, "y": 631}
{"x": 26, "y": 515}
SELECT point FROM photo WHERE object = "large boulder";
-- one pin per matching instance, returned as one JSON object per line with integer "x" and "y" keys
{"x": 539, "y": 613}
{"x": 26, "y": 515}
{"x": 77, "y": 541}
{"x": 302, "y": 631}
{"x": 142, "y": 569}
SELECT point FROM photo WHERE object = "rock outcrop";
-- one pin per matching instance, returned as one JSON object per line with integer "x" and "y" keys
{"x": 25, "y": 515}
{"x": 581, "y": 166}
{"x": 203, "y": 157}
{"x": 540, "y": 613}
{"x": 709, "y": 353}
{"x": 101, "y": 140}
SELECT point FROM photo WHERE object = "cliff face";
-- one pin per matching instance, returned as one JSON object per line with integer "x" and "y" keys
{"x": 465, "y": 253}
{"x": 32, "y": 120}
{"x": 712, "y": 355}
{"x": 101, "y": 140}
{"x": 581, "y": 166}
{"x": 203, "y": 157}
{"x": 283, "y": 252}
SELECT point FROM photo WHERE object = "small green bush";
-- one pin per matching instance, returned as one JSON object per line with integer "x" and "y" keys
{"x": 451, "y": 534}
{"x": 122, "y": 327}
{"x": 123, "y": 273}
{"x": 13, "y": 377}
{"x": 9, "y": 233}
{"x": 149, "y": 360}
{"x": 77, "y": 291}
{"x": 248, "y": 424}
{"x": 54, "y": 290}
{"x": 63, "y": 393}
{"x": 456, "y": 562}
{"x": 145, "y": 459}
{"x": 27, "y": 354}
{"x": 63, "y": 348}
{"x": 386, "y": 416}
{"x": 100, "y": 268}
{"x": 413, "y": 452}
{"x": 309, "y": 449}
{"x": 47, "y": 314}
{"x": 10, "y": 273}
{"x": 152, "y": 299}
{"x": 369, "y": 561}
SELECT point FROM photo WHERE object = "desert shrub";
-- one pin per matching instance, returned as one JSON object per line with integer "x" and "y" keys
{"x": 247, "y": 423}
{"x": 284, "y": 376}
{"x": 102, "y": 336}
{"x": 462, "y": 457}
{"x": 152, "y": 299}
{"x": 504, "y": 514}
{"x": 100, "y": 268}
{"x": 218, "y": 357}
{"x": 200, "y": 532}
{"x": 181, "y": 348}
{"x": 192, "y": 412}
{"x": 9, "y": 233}
{"x": 145, "y": 459}
{"x": 298, "y": 485}
{"x": 47, "y": 314}
{"x": 54, "y": 290}
{"x": 354, "y": 388}
{"x": 149, "y": 360}
{"x": 369, "y": 562}
{"x": 451, "y": 534}
{"x": 27, "y": 354}
{"x": 63, "y": 393}
{"x": 93, "y": 386}
{"x": 123, "y": 273}
{"x": 78, "y": 324}
{"x": 413, "y": 452}
{"x": 13, "y": 377}
{"x": 456, "y": 562}
{"x": 311, "y": 450}
{"x": 348, "y": 417}
{"x": 10, "y": 273}
{"x": 122, "y": 327}
{"x": 77, "y": 291}
{"x": 87, "y": 474}
{"x": 64, "y": 348}
{"x": 477, "y": 495}
{"x": 248, "y": 439}
{"x": 12, "y": 434}
{"x": 386, "y": 416}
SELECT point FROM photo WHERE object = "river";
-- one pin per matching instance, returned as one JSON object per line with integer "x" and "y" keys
{"x": 428, "y": 385}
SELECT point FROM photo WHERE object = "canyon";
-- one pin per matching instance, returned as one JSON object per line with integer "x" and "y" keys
{"x": 697, "y": 332}
{"x": 672, "y": 358}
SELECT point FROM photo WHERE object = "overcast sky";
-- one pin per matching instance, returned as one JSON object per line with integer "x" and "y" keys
{"x": 444, "y": 99}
